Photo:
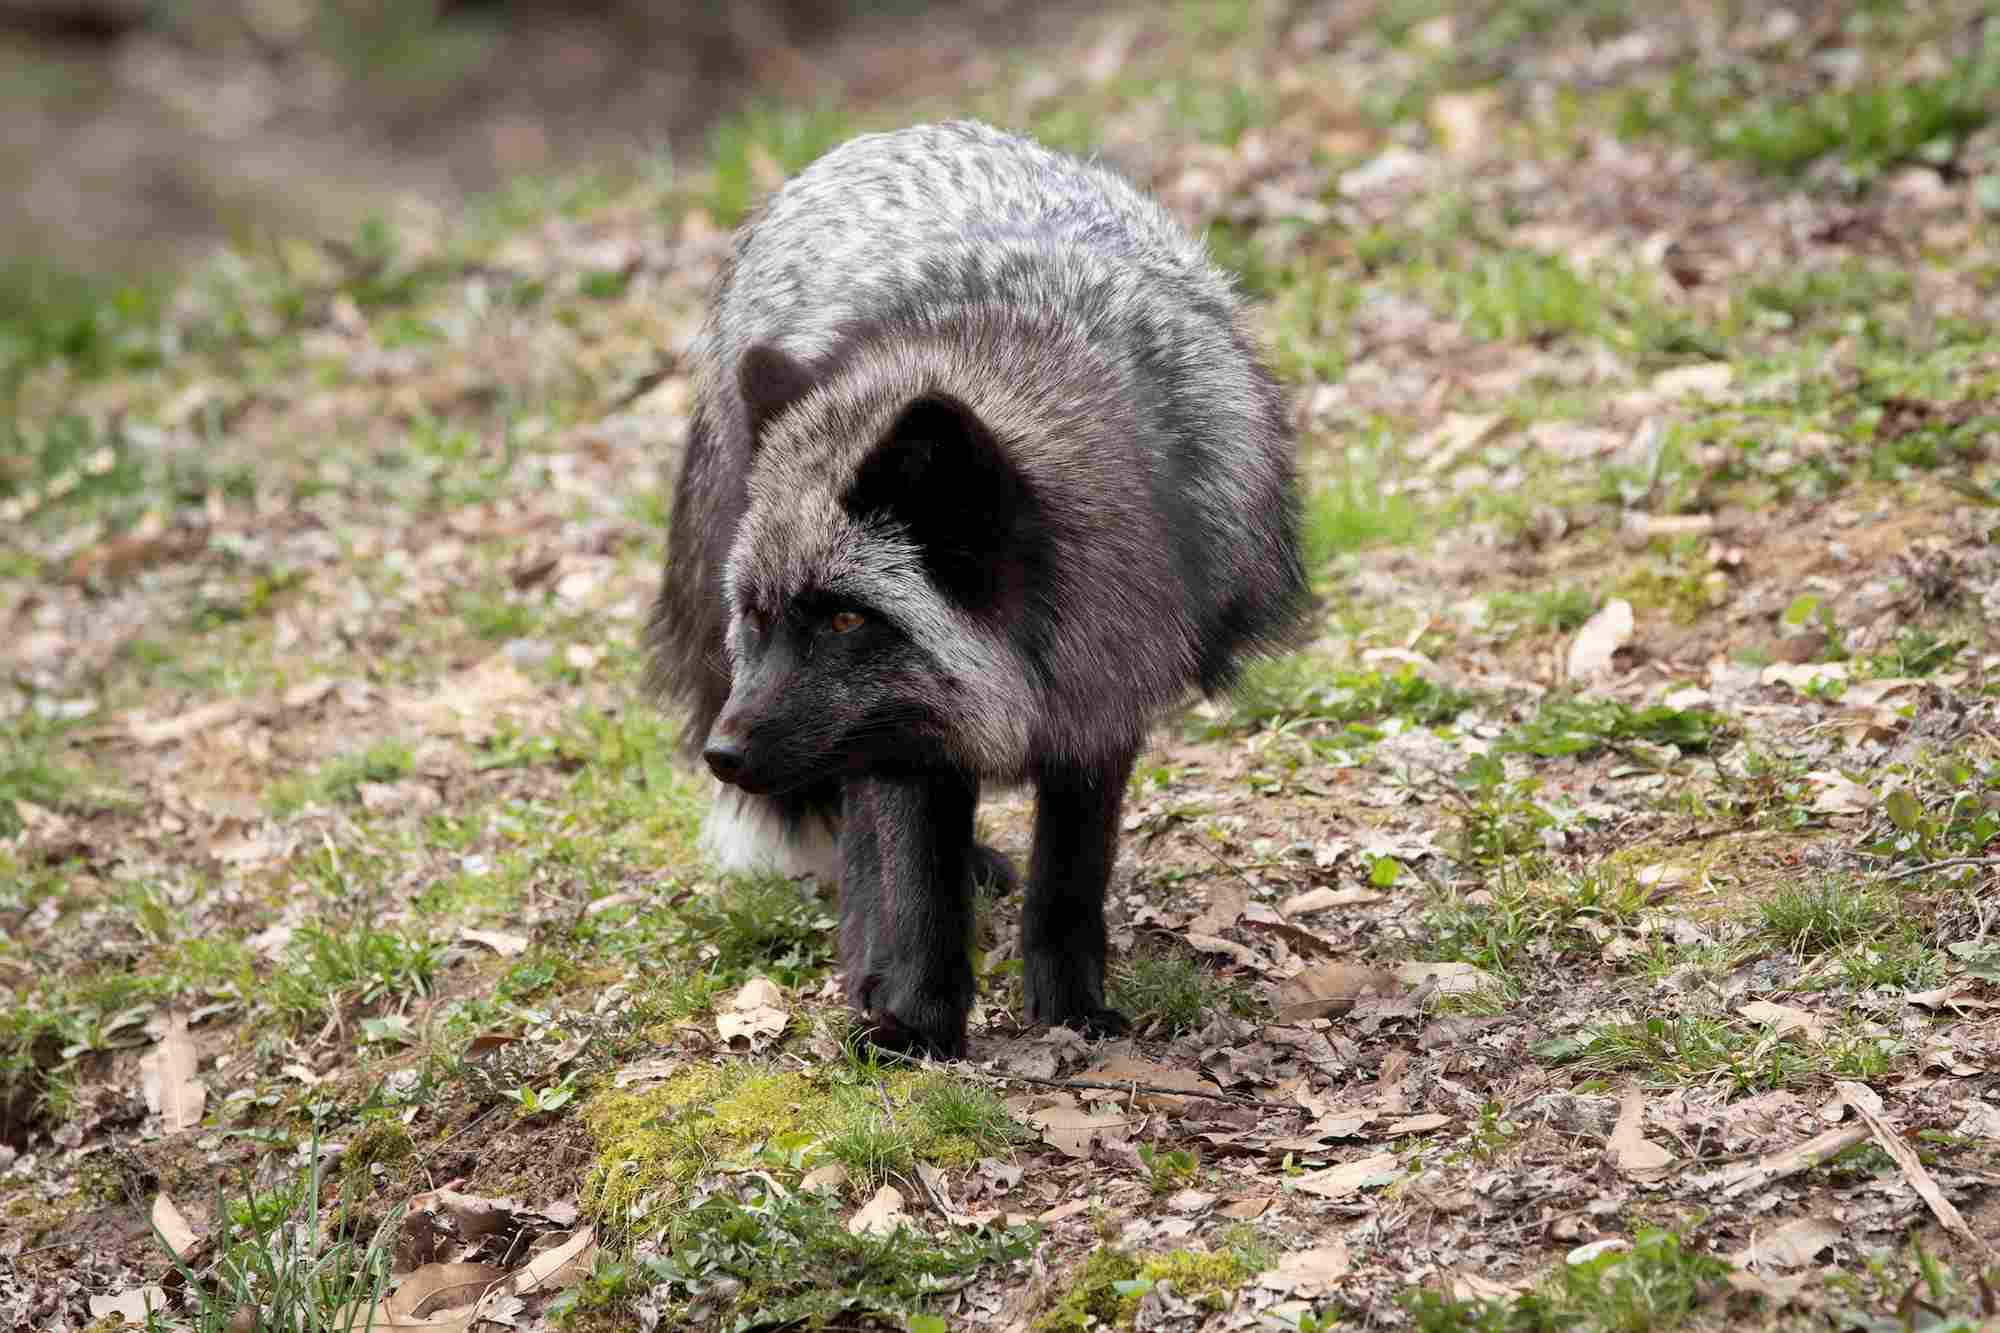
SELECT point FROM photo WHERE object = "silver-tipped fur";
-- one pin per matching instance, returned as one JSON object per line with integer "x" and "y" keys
{"x": 984, "y": 472}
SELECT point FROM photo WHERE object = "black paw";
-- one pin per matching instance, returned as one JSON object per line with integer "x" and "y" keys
{"x": 887, "y": 1033}
{"x": 1101, "y": 1022}
{"x": 1068, "y": 991}
{"x": 992, "y": 873}
{"x": 914, "y": 1021}
{"x": 1093, "y": 1021}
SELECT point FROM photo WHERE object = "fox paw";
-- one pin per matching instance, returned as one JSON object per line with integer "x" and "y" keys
{"x": 912, "y": 1022}
{"x": 992, "y": 873}
{"x": 1091, "y": 1021}
{"x": 1069, "y": 992}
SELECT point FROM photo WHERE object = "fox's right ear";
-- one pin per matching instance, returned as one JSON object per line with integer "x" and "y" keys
{"x": 770, "y": 380}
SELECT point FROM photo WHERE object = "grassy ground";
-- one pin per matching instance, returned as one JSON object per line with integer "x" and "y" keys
{"x": 1590, "y": 928}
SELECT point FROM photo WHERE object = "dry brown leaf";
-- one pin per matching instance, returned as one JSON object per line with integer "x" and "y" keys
{"x": 1318, "y": 900}
{"x": 559, "y": 1266}
{"x": 167, "y": 1075}
{"x": 1779, "y": 1291}
{"x": 1982, "y": 1121}
{"x": 130, "y": 1306}
{"x": 502, "y": 942}
{"x": 1327, "y": 989}
{"x": 1067, "y": 1127}
{"x": 1310, "y": 1273}
{"x": 458, "y": 1319}
{"x": 598, "y": 906}
{"x": 168, "y": 730}
{"x": 648, "y": 1071}
{"x": 1784, "y": 1020}
{"x": 1443, "y": 444}
{"x": 1793, "y": 1245}
{"x": 1337, "y": 1182}
{"x": 471, "y": 704}
{"x": 1463, "y": 123}
{"x": 1063, "y": 1211}
{"x": 756, "y": 1014}
{"x": 1858, "y": 725}
{"x": 1226, "y": 902}
{"x": 1704, "y": 381}
{"x": 1241, "y": 955}
{"x": 174, "y": 1227}
{"x": 882, "y": 1215}
{"x": 1332, "y": 1126}
{"x": 150, "y": 542}
{"x": 1635, "y": 1155}
{"x": 473, "y": 1216}
{"x": 1801, "y": 676}
{"x": 1446, "y": 978}
{"x": 46, "y": 828}
{"x": 1416, "y": 1124}
{"x": 1591, "y": 651}
{"x": 307, "y": 693}
{"x": 1663, "y": 875}
{"x": 1877, "y": 690}
{"x": 442, "y": 1291}
{"x": 1954, "y": 994}
{"x": 1474, "y": 1287}
{"x": 1641, "y": 528}
{"x": 1129, "y": 1069}
{"x": 1834, "y": 793}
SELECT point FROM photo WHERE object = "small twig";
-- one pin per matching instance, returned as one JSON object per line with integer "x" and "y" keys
{"x": 642, "y": 384}
{"x": 1858, "y": 1097}
{"x": 1234, "y": 1099}
{"x": 1802, "y": 1157}
{"x": 1948, "y": 864}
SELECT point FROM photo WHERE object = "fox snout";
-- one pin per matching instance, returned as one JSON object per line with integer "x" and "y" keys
{"x": 724, "y": 754}
{"x": 751, "y": 751}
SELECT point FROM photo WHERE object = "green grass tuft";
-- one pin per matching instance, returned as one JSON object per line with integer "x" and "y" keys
{"x": 1811, "y": 919}
{"x": 1653, "y": 1287}
{"x": 341, "y": 780}
{"x": 1174, "y": 991}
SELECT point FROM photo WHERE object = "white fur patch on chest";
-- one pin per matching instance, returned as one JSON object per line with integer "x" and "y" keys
{"x": 749, "y": 835}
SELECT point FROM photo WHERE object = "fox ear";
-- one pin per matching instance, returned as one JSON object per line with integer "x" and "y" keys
{"x": 770, "y": 380}
{"x": 952, "y": 485}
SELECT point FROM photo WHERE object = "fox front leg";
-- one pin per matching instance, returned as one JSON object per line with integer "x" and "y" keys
{"x": 906, "y": 909}
{"x": 1063, "y": 942}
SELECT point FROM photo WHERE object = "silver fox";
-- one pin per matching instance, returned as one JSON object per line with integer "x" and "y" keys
{"x": 984, "y": 472}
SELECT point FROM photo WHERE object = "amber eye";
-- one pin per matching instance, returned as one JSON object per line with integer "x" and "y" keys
{"x": 843, "y": 621}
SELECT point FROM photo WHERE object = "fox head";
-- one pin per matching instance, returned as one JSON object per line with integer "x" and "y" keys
{"x": 882, "y": 586}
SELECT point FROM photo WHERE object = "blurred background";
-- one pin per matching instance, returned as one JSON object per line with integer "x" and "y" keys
{"x": 138, "y": 132}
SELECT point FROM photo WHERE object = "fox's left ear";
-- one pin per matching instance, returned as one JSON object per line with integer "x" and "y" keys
{"x": 770, "y": 380}
{"x": 951, "y": 483}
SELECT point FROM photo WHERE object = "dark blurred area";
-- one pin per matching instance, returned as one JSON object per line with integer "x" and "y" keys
{"x": 140, "y": 131}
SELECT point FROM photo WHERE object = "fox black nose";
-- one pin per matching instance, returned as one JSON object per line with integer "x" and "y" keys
{"x": 725, "y": 757}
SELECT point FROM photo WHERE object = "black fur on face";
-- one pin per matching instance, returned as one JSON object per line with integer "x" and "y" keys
{"x": 945, "y": 480}
{"x": 824, "y": 688}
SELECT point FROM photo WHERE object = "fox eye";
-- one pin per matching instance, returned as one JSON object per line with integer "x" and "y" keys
{"x": 843, "y": 621}
{"x": 758, "y": 621}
